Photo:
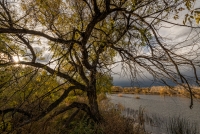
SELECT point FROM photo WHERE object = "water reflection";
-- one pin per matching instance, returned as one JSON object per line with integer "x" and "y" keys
{"x": 159, "y": 110}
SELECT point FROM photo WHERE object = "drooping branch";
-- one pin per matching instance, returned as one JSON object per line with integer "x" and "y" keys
{"x": 27, "y": 43}
{"x": 176, "y": 24}
{"x": 161, "y": 45}
{"x": 15, "y": 110}
{"x": 38, "y": 33}
{"x": 52, "y": 106}
{"x": 48, "y": 69}
{"x": 66, "y": 121}
{"x": 82, "y": 106}
{"x": 59, "y": 100}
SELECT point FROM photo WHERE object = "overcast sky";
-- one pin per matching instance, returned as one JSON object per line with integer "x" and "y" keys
{"x": 174, "y": 34}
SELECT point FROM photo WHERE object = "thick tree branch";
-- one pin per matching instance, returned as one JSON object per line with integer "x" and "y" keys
{"x": 48, "y": 69}
{"x": 82, "y": 106}
{"x": 26, "y": 42}
{"x": 52, "y": 106}
{"x": 95, "y": 7}
{"x": 107, "y": 2}
{"x": 14, "y": 110}
{"x": 33, "y": 32}
{"x": 62, "y": 97}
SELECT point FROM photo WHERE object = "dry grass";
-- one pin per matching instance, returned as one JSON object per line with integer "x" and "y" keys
{"x": 120, "y": 95}
{"x": 181, "y": 126}
{"x": 101, "y": 96}
{"x": 117, "y": 124}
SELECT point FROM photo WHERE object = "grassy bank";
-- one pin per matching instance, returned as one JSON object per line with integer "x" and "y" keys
{"x": 158, "y": 90}
{"x": 77, "y": 122}
{"x": 114, "y": 122}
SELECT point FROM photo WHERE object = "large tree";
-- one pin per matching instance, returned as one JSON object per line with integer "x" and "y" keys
{"x": 76, "y": 40}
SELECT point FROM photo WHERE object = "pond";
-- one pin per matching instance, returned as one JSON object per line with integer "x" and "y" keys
{"x": 164, "y": 107}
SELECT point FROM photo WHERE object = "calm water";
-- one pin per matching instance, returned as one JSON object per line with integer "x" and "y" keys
{"x": 162, "y": 106}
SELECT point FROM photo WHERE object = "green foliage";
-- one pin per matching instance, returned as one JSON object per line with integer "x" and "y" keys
{"x": 26, "y": 82}
{"x": 85, "y": 126}
{"x": 104, "y": 83}
{"x": 197, "y": 16}
{"x": 25, "y": 88}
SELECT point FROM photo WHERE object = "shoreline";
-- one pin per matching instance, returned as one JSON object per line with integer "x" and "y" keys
{"x": 158, "y": 90}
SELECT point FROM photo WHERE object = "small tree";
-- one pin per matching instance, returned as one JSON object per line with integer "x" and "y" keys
{"x": 76, "y": 40}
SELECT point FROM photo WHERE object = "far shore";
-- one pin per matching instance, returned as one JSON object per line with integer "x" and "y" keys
{"x": 158, "y": 90}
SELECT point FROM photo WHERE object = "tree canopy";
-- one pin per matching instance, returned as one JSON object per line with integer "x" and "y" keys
{"x": 75, "y": 43}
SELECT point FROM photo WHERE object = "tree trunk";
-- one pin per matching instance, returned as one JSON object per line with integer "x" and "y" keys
{"x": 92, "y": 97}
